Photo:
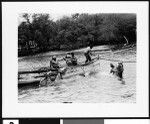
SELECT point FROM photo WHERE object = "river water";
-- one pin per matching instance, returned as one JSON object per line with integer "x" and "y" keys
{"x": 98, "y": 86}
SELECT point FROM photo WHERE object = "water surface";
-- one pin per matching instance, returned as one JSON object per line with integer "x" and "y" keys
{"x": 98, "y": 86}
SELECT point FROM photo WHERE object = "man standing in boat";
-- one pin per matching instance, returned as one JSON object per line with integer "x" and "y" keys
{"x": 88, "y": 53}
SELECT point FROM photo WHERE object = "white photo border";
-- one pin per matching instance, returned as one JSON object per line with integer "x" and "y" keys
{"x": 10, "y": 106}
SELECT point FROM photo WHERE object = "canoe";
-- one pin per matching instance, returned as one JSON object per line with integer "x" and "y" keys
{"x": 28, "y": 78}
{"x": 34, "y": 80}
{"x": 46, "y": 69}
{"x": 40, "y": 70}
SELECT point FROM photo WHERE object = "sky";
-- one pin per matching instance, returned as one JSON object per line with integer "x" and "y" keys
{"x": 53, "y": 16}
{"x": 60, "y": 9}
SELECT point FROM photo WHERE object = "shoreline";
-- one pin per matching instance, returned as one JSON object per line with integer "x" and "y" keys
{"x": 100, "y": 48}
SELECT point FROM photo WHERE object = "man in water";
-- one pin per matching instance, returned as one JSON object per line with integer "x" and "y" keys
{"x": 88, "y": 54}
{"x": 118, "y": 70}
{"x": 55, "y": 69}
{"x": 113, "y": 70}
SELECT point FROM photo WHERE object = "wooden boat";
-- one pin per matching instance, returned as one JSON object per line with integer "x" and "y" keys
{"x": 28, "y": 77}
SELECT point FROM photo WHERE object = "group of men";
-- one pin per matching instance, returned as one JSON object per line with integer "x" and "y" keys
{"x": 71, "y": 60}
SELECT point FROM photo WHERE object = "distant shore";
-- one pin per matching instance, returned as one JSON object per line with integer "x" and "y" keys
{"x": 127, "y": 53}
{"x": 99, "y": 48}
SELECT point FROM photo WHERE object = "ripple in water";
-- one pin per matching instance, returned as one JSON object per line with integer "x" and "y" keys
{"x": 98, "y": 86}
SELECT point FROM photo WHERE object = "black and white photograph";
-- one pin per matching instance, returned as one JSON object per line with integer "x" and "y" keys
{"x": 77, "y": 58}
{"x": 66, "y": 56}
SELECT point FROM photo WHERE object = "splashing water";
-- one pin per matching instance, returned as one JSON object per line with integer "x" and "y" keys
{"x": 98, "y": 86}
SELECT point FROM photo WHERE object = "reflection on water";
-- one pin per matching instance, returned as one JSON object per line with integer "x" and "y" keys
{"x": 98, "y": 86}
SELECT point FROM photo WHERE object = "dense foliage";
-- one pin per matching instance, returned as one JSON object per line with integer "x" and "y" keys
{"x": 39, "y": 33}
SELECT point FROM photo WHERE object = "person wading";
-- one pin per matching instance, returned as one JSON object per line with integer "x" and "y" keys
{"x": 120, "y": 70}
{"x": 117, "y": 70}
{"x": 54, "y": 68}
{"x": 113, "y": 69}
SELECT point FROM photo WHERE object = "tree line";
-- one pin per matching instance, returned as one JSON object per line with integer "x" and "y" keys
{"x": 40, "y": 33}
